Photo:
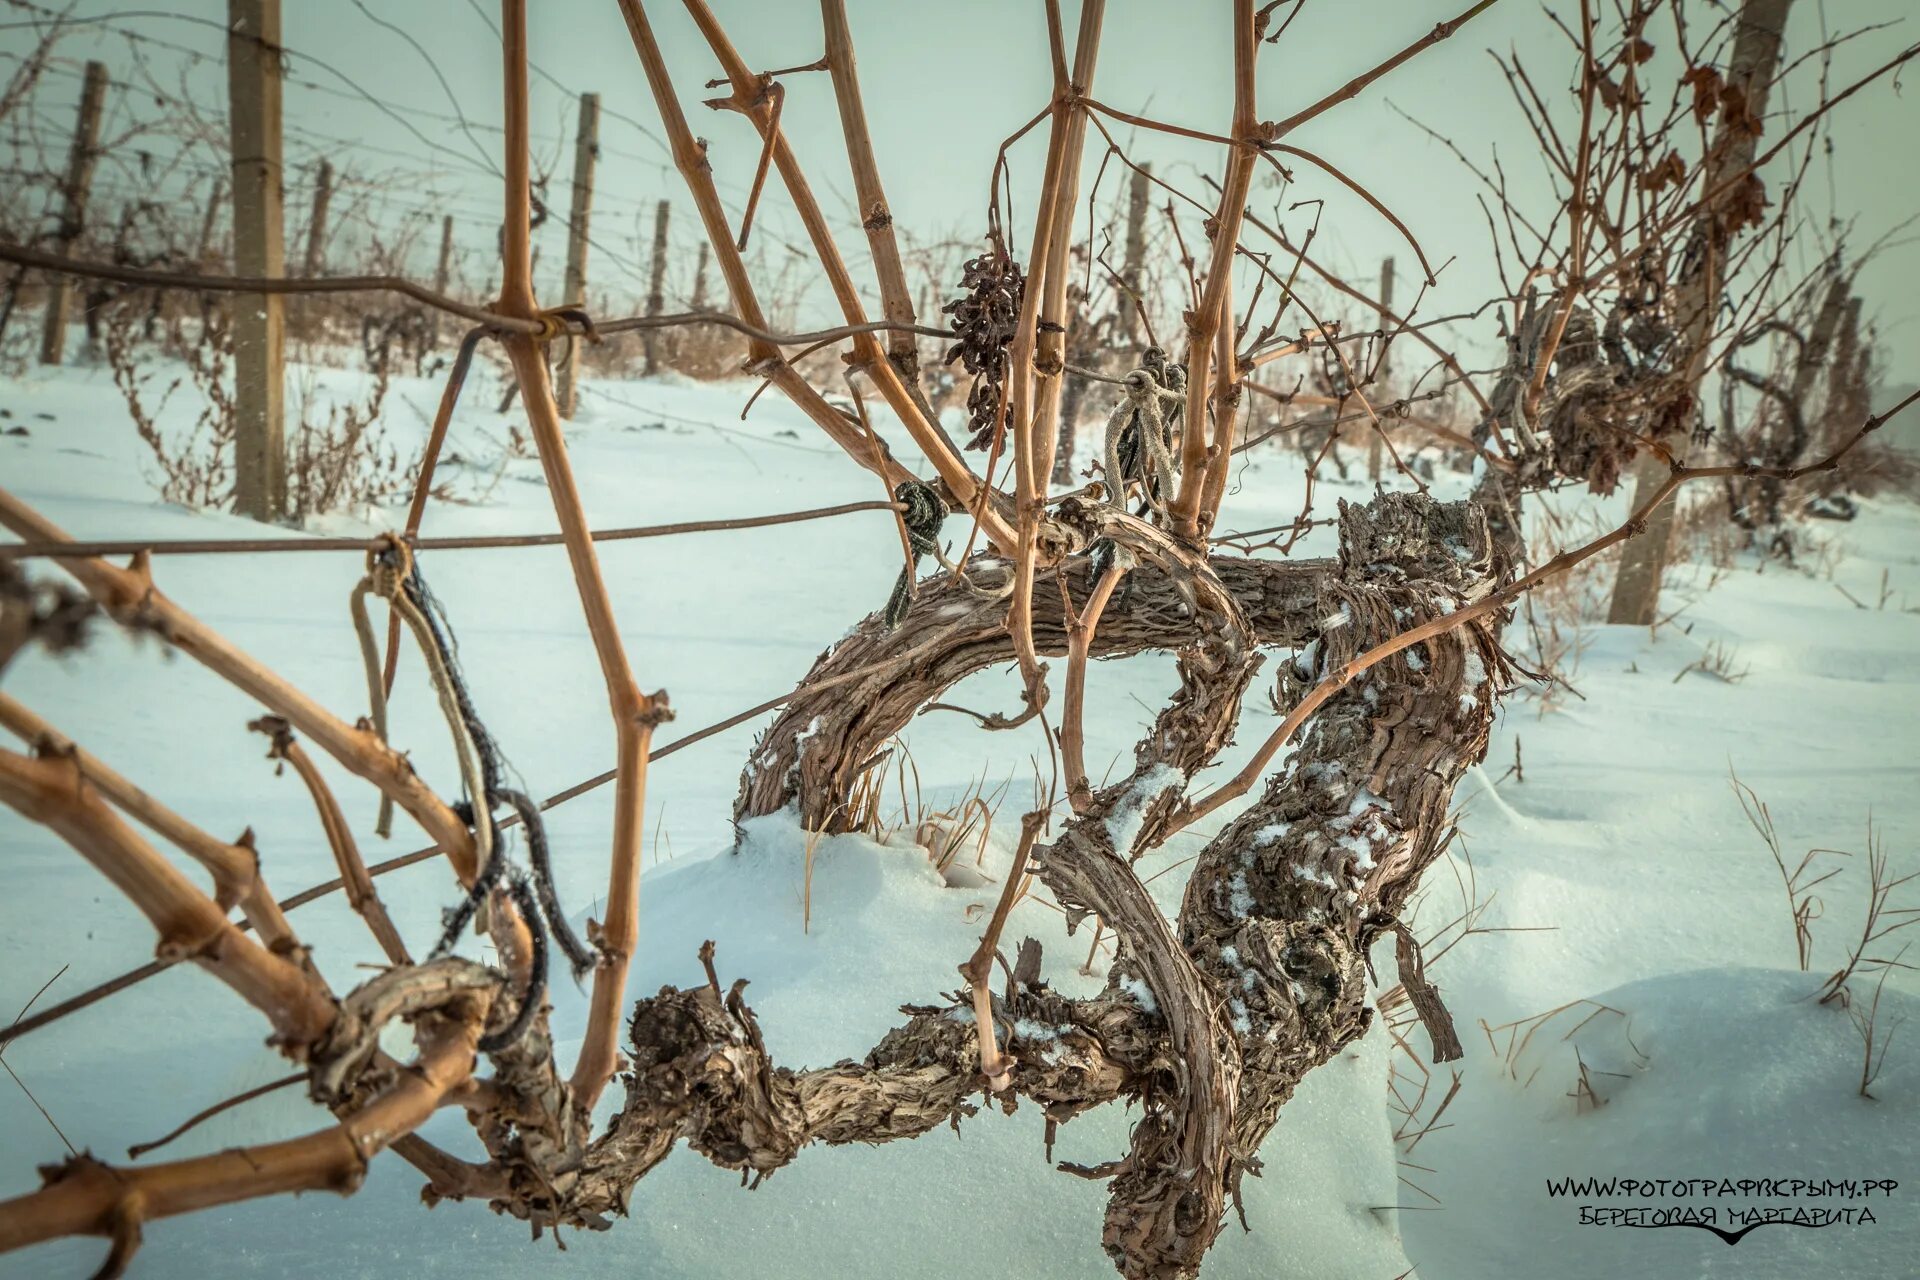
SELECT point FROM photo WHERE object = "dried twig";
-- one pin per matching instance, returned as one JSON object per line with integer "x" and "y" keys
{"x": 635, "y": 715}
{"x": 361, "y": 895}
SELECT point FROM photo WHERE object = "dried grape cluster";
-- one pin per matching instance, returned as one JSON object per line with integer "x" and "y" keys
{"x": 985, "y": 319}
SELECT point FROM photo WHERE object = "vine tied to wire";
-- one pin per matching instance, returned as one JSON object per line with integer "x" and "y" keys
{"x": 922, "y": 513}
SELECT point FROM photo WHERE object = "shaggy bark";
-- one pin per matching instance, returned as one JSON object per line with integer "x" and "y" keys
{"x": 1284, "y": 903}
{"x": 1209, "y": 1027}
{"x": 823, "y": 741}
{"x": 1168, "y": 1194}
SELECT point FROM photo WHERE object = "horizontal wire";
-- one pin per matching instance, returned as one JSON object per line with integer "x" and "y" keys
{"x": 477, "y": 542}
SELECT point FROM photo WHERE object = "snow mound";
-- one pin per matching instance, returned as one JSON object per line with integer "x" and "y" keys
{"x": 1708, "y": 1075}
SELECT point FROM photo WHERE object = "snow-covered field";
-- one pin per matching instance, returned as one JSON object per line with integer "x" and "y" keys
{"x": 1621, "y": 873}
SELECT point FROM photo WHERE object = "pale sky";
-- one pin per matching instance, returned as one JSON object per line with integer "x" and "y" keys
{"x": 945, "y": 82}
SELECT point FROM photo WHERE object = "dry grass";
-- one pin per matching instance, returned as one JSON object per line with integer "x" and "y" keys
{"x": 1881, "y": 600}
{"x": 1411, "y": 1081}
{"x": 1586, "y": 1097}
{"x": 1718, "y": 660}
{"x": 1511, "y": 1041}
{"x": 806, "y": 883}
{"x": 1806, "y": 907}
{"x": 946, "y": 832}
{"x": 1882, "y": 919}
{"x": 1874, "y": 1041}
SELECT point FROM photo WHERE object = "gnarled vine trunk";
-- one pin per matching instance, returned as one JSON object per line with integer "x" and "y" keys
{"x": 1210, "y": 1021}
{"x": 865, "y": 689}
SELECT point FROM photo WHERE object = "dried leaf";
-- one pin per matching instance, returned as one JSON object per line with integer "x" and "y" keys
{"x": 1705, "y": 83}
{"x": 1744, "y": 205}
{"x": 1669, "y": 171}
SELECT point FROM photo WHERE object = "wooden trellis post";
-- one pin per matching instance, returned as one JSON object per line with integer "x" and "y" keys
{"x": 317, "y": 224}
{"x": 73, "y": 213}
{"x": 586, "y": 149}
{"x": 210, "y": 222}
{"x": 1758, "y": 31}
{"x": 1135, "y": 257}
{"x": 443, "y": 273}
{"x": 1376, "y": 446}
{"x": 259, "y": 249}
{"x": 656, "y": 283}
{"x": 698, "y": 302}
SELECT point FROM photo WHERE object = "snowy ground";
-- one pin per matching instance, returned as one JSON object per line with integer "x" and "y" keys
{"x": 1623, "y": 853}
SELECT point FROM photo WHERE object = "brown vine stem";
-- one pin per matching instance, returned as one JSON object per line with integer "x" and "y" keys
{"x": 1327, "y": 167}
{"x": 1577, "y": 223}
{"x": 1037, "y": 356}
{"x": 361, "y": 895}
{"x": 87, "y": 1197}
{"x": 1073, "y": 734}
{"x": 423, "y": 484}
{"x": 1354, "y": 87}
{"x": 1228, "y": 382}
{"x": 752, "y": 98}
{"x": 1157, "y": 126}
{"x": 777, "y": 94}
{"x": 191, "y": 925}
{"x": 1050, "y": 346}
{"x": 635, "y": 715}
{"x": 1335, "y": 681}
{"x": 130, "y": 595}
{"x": 1303, "y": 343}
{"x": 896, "y": 296}
{"x": 1183, "y": 510}
{"x": 978, "y": 969}
{"x": 235, "y": 867}
{"x": 200, "y": 1117}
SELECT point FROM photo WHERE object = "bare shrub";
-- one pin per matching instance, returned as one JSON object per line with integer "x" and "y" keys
{"x": 196, "y": 463}
{"x": 339, "y": 457}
